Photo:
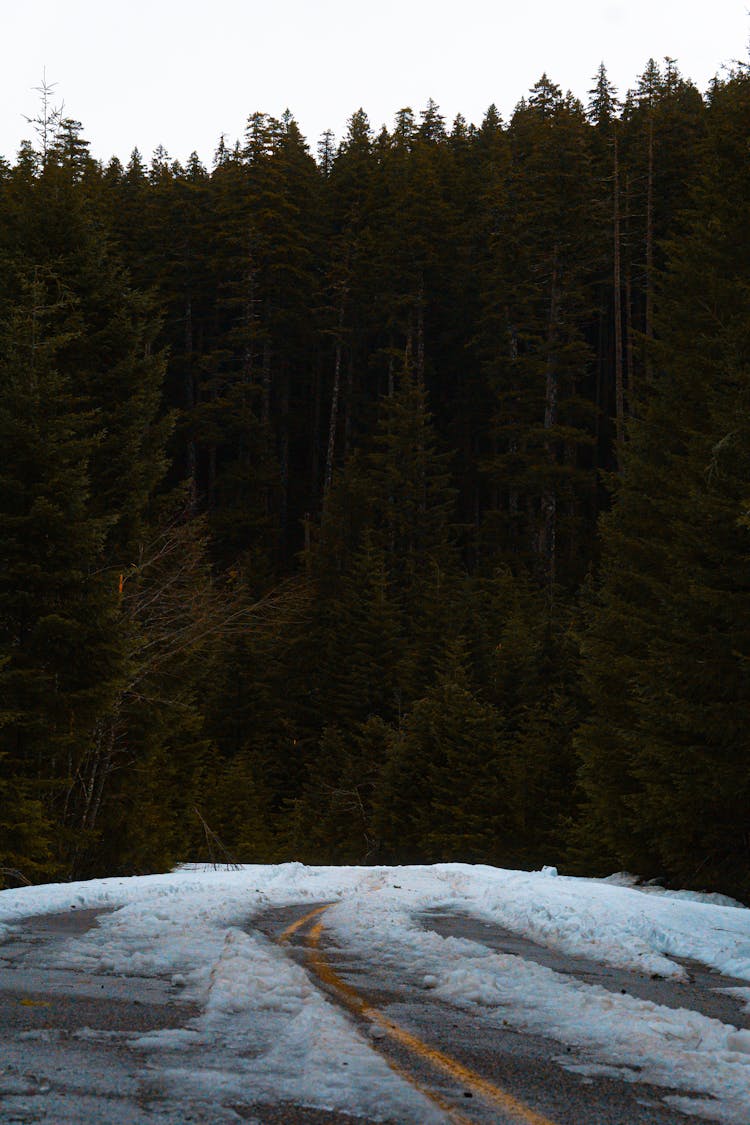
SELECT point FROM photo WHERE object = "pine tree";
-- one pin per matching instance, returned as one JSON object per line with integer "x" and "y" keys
{"x": 525, "y": 663}
{"x": 664, "y": 751}
{"x": 663, "y": 120}
{"x": 59, "y": 645}
{"x": 27, "y": 853}
{"x": 442, "y": 793}
{"x": 385, "y": 536}
{"x": 537, "y": 301}
{"x": 266, "y": 281}
{"x": 365, "y": 662}
{"x": 350, "y": 288}
{"x": 82, "y": 409}
{"x": 332, "y": 820}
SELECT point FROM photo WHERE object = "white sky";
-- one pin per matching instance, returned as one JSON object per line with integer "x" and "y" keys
{"x": 181, "y": 72}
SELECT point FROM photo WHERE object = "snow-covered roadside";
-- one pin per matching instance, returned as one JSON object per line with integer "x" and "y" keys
{"x": 617, "y": 1034}
{"x": 268, "y": 1035}
{"x": 264, "y": 1033}
{"x": 621, "y": 1035}
{"x": 259, "y": 1008}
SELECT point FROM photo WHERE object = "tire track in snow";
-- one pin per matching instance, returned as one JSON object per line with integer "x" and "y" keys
{"x": 462, "y": 1076}
{"x": 705, "y": 991}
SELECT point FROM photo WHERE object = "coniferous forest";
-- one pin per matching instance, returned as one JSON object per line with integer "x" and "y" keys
{"x": 390, "y": 503}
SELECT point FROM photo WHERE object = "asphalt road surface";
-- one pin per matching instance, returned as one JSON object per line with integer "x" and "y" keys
{"x": 64, "y": 1059}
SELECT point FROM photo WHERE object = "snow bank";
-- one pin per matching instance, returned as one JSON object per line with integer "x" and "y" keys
{"x": 267, "y": 1034}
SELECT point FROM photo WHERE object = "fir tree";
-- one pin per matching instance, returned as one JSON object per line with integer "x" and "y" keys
{"x": 59, "y": 644}
{"x": 664, "y": 750}
{"x": 537, "y": 301}
{"x": 442, "y": 793}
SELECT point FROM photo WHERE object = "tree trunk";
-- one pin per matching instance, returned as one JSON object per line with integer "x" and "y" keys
{"x": 649, "y": 246}
{"x": 266, "y": 383}
{"x": 513, "y": 443}
{"x": 348, "y": 412}
{"x": 549, "y": 495}
{"x": 420, "y": 331}
{"x": 84, "y": 797}
{"x": 191, "y": 466}
{"x": 284, "y": 456}
{"x": 619, "y": 393}
{"x": 315, "y": 441}
{"x": 630, "y": 358}
{"x": 335, "y": 397}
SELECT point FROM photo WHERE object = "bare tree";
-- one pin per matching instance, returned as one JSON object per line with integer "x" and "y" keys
{"x": 48, "y": 120}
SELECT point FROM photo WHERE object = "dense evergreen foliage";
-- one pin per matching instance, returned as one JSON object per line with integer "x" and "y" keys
{"x": 389, "y": 506}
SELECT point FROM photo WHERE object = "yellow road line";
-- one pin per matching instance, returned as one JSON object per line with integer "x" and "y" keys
{"x": 452, "y": 1114}
{"x": 442, "y": 1103}
{"x": 291, "y": 930}
{"x": 487, "y": 1090}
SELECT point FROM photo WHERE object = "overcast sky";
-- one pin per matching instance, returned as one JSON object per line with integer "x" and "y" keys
{"x": 181, "y": 72}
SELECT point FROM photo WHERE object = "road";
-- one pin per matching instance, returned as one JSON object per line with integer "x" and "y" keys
{"x": 67, "y": 1050}
{"x": 478, "y": 1072}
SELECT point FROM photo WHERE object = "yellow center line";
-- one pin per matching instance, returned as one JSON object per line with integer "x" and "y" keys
{"x": 452, "y": 1114}
{"x": 291, "y": 930}
{"x": 487, "y": 1090}
{"x": 355, "y": 1002}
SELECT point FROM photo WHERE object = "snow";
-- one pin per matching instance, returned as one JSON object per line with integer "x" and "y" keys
{"x": 264, "y": 1027}
{"x": 288, "y": 1042}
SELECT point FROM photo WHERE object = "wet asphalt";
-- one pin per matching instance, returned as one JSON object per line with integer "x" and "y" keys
{"x": 65, "y": 1056}
{"x": 532, "y": 1069}
{"x": 699, "y": 992}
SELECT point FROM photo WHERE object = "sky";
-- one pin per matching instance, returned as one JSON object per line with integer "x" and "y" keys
{"x": 182, "y": 72}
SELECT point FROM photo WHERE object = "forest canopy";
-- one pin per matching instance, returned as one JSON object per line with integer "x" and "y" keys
{"x": 389, "y": 505}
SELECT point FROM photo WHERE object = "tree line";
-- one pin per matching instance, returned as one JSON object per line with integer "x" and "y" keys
{"x": 384, "y": 505}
